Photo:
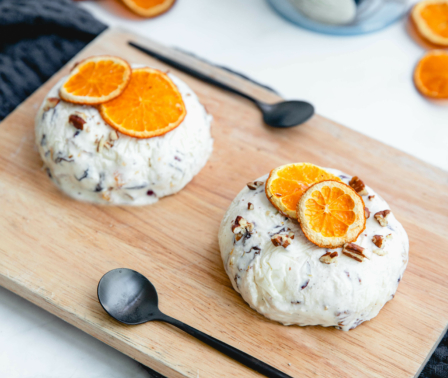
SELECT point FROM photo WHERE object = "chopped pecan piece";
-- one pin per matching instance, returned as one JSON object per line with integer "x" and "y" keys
{"x": 77, "y": 121}
{"x": 51, "y": 103}
{"x": 106, "y": 196}
{"x": 378, "y": 240}
{"x": 74, "y": 66}
{"x": 250, "y": 206}
{"x": 253, "y": 185}
{"x": 358, "y": 186}
{"x": 241, "y": 227}
{"x": 381, "y": 217}
{"x": 113, "y": 136}
{"x": 329, "y": 257}
{"x": 367, "y": 212}
{"x": 354, "y": 251}
{"x": 101, "y": 144}
{"x": 371, "y": 197}
{"x": 389, "y": 237}
{"x": 380, "y": 251}
{"x": 283, "y": 240}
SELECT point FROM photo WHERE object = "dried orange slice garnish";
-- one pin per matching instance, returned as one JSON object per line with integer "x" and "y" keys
{"x": 331, "y": 214}
{"x": 287, "y": 183}
{"x": 96, "y": 80}
{"x": 149, "y": 8}
{"x": 431, "y": 74}
{"x": 151, "y": 105}
{"x": 431, "y": 19}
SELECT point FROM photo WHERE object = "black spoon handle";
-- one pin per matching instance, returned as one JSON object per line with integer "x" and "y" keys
{"x": 191, "y": 71}
{"x": 228, "y": 350}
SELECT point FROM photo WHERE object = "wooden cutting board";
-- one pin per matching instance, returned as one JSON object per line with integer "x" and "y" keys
{"x": 54, "y": 250}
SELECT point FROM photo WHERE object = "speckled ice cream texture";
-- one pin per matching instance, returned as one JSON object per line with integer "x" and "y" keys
{"x": 132, "y": 171}
{"x": 291, "y": 285}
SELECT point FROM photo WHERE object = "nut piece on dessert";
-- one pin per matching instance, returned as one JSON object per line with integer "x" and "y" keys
{"x": 50, "y": 103}
{"x": 101, "y": 144}
{"x": 355, "y": 251}
{"x": 367, "y": 212}
{"x": 329, "y": 257}
{"x": 283, "y": 240}
{"x": 253, "y": 185}
{"x": 358, "y": 185}
{"x": 381, "y": 217}
{"x": 241, "y": 227}
{"x": 379, "y": 251}
{"x": 113, "y": 136}
{"x": 378, "y": 240}
{"x": 77, "y": 121}
{"x": 331, "y": 214}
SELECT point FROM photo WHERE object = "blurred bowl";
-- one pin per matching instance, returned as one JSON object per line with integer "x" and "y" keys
{"x": 369, "y": 16}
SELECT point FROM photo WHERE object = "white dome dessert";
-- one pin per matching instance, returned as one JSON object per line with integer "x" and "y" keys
{"x": 100, "y": 165}
{"x": 295, "y": 285}
{"x": 336, "y": 12}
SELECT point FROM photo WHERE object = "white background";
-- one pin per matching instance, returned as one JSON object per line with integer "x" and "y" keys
{"x": 363, "y": 82}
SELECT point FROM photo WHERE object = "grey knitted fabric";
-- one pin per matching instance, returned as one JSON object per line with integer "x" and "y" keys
{"x": 37, "y": 37}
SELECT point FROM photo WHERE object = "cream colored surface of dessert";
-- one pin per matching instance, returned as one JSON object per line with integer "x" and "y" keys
{"x": 291, "y": 285}
{"x": 126, "y": 170}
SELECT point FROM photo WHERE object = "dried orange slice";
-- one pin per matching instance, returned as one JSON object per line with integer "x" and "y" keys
{"x": 431, "y": 19}
{"x": 331, "y": 214}
{"x": 287, "y": 183}
{"x": 151, "y": 105}
{"x": 431, "y": 74}
{"x": 96, "y": 80}
{"x": 149, "y": 8}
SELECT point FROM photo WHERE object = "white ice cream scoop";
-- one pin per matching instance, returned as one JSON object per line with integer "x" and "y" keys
{"x": 336, "y": 12}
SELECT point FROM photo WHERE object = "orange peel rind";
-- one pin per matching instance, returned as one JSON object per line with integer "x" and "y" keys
{"x": 96, "y": 80}
{"x": 431, "y": 74}
{"x": 287, "y": 183}
{"x": 150, "y": 106}
{"x": 431, "y": 20}
{"x": 331, "y": 214}
{"x": 149, "y": 8}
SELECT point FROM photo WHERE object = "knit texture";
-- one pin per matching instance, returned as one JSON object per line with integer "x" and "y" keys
{"x": 437, "y": 366}
{"x": 37, "y": 38}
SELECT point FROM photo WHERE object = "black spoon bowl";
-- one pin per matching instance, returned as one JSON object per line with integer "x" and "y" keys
{"x": 128, "y": 296}
{"x": 131, "y": 298}
{"x": 286, "y": 113}
{"x": 282, "y": 114}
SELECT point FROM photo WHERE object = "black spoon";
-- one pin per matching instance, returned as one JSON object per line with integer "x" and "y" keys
{"x": 281, "y": 114}
{"x": 130, "y": 298}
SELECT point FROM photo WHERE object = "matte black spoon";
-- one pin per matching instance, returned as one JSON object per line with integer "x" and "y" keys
{"x": 130, "y": 298}
{"x": 281, "y": 114}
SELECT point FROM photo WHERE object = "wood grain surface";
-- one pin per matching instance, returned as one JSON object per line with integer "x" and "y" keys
{"x": 54, "y": 250}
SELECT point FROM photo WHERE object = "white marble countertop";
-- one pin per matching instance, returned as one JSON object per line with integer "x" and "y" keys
{"x": 363, "y": 82}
